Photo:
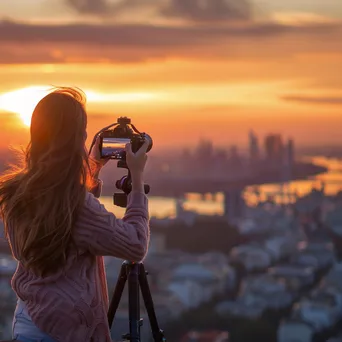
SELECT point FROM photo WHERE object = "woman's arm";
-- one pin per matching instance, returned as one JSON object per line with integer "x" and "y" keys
{"x": 101, "y": 233}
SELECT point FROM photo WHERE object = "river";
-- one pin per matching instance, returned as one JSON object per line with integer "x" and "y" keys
{"x": 162, "y": 207}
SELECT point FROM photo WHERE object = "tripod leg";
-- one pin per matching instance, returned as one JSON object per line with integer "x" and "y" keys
{"x": 120, "y": 285}
{"x": 158, "y": 334}
{"x": 134, "y": 303}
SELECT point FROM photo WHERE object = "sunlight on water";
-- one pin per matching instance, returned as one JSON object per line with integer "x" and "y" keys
{"x": 212, "y": 204}
{"x": 159, "y": 206}
{"x": 332, "y": 180}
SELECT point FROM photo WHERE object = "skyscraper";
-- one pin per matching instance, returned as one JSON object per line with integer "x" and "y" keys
{"x": 253, "y": 147}
{"x": 274, "y": 148}
{"x": 288, "y": 161}
{"x": 290, "y": 151}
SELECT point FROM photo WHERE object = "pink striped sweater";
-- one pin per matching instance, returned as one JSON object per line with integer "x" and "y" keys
{"x": 71, "y": 305}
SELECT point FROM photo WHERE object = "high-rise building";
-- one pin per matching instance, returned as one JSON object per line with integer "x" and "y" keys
{"x": 234, "y": 154}
{"x": 201, "y": 160}
{"x": 205, "y": 149}
{"x": 274, "y": 147}
{"x": 253, "y": 147}
{"x": 290, "y": 151}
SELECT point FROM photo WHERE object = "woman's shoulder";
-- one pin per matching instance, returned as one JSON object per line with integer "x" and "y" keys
{"x": 92, "y": 206}
{"x": 91, "y": 201}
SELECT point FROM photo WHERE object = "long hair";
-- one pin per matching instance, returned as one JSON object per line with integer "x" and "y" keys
{"x": 40, "y": 201}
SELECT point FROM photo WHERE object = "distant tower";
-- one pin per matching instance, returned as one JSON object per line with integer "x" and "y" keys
{"x": 290, "y": 152}
{"x": 203, "y": 157}
{"x": 288, "y": 161}
{"x": 234, "y": 154}
{"x": 253, "y": 147}
{"x": 205, "y": 149}
{"x": 274, "y": 148}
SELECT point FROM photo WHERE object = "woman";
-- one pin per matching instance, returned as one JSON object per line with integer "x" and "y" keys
{"x": 58, "y": 230}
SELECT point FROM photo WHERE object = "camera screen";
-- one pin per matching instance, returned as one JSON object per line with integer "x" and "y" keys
{"x": 114, "y": 147}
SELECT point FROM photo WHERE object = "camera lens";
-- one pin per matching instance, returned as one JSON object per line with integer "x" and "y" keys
{"x": 150, "y": 141}
{"x": 120, "y": 183}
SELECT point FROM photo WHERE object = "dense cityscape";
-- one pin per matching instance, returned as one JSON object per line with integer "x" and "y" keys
{"x": 210, "y": 169}
{"x": 272, "y": 266}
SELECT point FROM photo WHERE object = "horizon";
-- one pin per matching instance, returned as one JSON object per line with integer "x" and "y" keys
{"x": 13, "y": 123}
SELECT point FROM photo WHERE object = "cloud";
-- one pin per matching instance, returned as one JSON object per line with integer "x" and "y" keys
{"x": 29, "y": 43}
{"x": 208, "y": 10}
{"x": 295, "y": 18}
{"x": 105, "y": 8}
{"x": 89, "y": 6}
{"x": 148, "y": 35}
{"x": 193, "y": 10}
{"x": 313, "y": 99}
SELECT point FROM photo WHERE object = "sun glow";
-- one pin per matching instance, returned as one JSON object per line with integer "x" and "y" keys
{"x": 23, "y": 101}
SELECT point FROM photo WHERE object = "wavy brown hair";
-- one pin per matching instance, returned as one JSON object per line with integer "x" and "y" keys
{"x": 40, "y": 201}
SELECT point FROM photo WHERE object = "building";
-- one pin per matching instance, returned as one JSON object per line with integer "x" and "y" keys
{"x": 204, "y": 153}
{"x": 274, "y": 148}
{"x": 195, "y": 284}
{"x": 253, "y": 147}
{"x": 290, "y": 151}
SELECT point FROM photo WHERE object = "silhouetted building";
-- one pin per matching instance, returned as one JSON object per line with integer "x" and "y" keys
{"x": 288, "y": 161}
{"x": 221, "y": 155}
{"x": 234, "y": 156}
{"x": 274, "y": 148}
{"x": 253, "y": 147}
{"x": 205, "y": 150}
{"x": 290, "y": 151}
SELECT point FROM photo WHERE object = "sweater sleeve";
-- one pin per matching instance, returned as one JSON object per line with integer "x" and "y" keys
{"x": 101, "y": 233}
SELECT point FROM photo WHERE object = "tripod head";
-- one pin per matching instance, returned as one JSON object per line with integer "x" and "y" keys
{"x": 125, "y": 184}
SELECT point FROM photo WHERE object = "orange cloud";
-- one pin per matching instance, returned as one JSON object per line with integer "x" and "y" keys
{"x": 132, "y": 43}
{"x": 193, "y": 10}
{"x": 314, "y": 100}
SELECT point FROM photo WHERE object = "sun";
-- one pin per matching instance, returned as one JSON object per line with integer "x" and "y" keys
{"x": 23, "y": 101}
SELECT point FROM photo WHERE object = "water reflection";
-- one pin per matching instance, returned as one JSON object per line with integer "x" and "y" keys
{"x": 285, "y": 193}
{"x": 212, "y": 204}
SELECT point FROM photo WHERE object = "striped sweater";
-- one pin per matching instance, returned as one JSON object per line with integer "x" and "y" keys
{"x": 71, "y": 305}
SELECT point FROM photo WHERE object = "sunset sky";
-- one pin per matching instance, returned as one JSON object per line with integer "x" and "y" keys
{"x": 181, "y": 69}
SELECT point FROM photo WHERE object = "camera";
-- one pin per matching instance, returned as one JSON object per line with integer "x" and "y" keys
{"x": 114, "y": 140}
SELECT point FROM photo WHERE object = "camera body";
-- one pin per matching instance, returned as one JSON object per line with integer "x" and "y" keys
{"x": 113, "y": 141}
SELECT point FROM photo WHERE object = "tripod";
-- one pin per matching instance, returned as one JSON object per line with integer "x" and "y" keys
{"x": 137, "y": 277}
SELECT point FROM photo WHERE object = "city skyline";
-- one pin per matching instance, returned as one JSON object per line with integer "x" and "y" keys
{"x": 181, "y": 70}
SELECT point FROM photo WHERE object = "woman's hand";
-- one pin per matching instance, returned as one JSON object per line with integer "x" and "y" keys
{"x": 96, "y": 162}
{"x": 136, "y": 163}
